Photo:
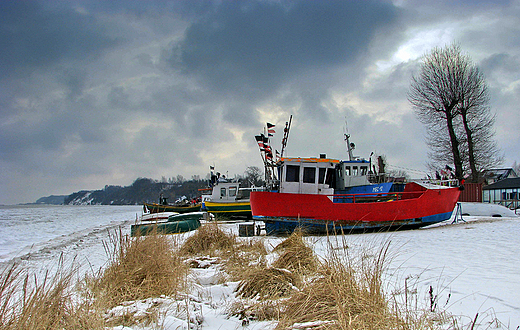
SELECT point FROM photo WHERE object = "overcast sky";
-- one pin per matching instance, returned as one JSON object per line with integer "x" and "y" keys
{"x": 96, "y": 93}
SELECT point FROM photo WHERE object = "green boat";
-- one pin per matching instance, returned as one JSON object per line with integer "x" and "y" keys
{"x": 175, "y": 224}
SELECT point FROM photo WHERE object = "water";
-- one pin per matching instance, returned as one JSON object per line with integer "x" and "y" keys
{"x": 39, "y": 229}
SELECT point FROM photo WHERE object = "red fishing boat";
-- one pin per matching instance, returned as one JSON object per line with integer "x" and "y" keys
{"x": 315, "y": 207}
{"x": 323, "y": 195}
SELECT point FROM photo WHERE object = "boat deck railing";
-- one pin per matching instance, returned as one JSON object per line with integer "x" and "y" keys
{"x": 375, "y": 197}
{"x": 443, "y": 183}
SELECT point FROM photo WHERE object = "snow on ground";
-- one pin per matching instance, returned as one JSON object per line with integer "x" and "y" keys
{"x": 470, "y": 263}
{"x": 487, "y": 210}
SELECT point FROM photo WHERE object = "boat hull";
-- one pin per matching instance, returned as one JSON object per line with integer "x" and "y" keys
{"x": 157, "y": 208}
{"x": 229, "y": 209}
{"x": 414, "y": 208}
{"x": 175, "y": 224}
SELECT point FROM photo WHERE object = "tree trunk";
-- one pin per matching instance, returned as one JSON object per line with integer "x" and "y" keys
{"x": 457, "y": 159}
{"x": 471, "y": 149}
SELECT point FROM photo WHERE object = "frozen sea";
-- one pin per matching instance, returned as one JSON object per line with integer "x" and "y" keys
{"x": 472, "y": 265}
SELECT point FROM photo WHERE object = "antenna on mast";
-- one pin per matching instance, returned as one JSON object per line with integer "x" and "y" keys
{"x": 350, "y": 146}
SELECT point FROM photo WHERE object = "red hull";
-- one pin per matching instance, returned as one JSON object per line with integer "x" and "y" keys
{"x": 415, "y": 202}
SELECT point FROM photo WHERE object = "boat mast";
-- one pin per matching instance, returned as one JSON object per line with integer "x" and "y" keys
{"x": 285, "y": 135}
{"x": 350, "y": 146}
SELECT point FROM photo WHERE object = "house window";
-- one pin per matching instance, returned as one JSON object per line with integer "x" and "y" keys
{"x": 293, "y": 173}
{"x": 232, "y": 191}
{"x": 309, "y": 175}
{"x": 354, "y": 170}
{"x": 512, "y": 195}
{"x": 222, "y": 192}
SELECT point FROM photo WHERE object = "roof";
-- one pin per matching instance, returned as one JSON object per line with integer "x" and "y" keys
{"x": 500, "y": 173}
{"x": 510, "y": 183}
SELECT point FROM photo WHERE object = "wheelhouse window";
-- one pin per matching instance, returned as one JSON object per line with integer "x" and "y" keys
{"x": 232, "y": 191}
{"x": 243, "y": 193}
{"x": 354, "y": 170}
{"x": 321, "y": 175}
{"x": 222, "y": 192}
{"x": 309, "y": 175}
{"x": 347, "y": 170}
{"x": 293, "y": 173}
{"x": 364, "y": 170}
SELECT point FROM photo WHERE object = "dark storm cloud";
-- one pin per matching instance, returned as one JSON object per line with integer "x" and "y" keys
{"x": 91, "y": 90}
{"x": 252, "y": 48}
{"x": 78, "y": 120}
{"x": 32, "y": 37}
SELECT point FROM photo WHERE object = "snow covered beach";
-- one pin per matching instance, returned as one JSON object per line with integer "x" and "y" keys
{"x": 473, "y": 265}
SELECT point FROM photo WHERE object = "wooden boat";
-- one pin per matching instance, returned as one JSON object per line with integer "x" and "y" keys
{"x": 182, "y": 205}
{"x": 156, "y": 208}
{"x": 306, "y": 197}
{"x": 173, "y": 224}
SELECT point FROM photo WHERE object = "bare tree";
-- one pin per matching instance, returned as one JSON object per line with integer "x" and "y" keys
{"x": 516, "y": 167}
{"x": 253, "y": 176}
{"x": 450, "y": 97}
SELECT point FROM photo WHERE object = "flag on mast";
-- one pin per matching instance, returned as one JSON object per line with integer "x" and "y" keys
{"x": 260, "y": 141}
{"x": 270, "y": 129}
{"x": 267, "y": 148}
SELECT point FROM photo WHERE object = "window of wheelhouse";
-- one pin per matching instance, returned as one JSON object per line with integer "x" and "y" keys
{"x": 232, "y": 191}
{"x": 347, "y": 170}
{"x": 309, "y": 175}
{"x": 364, "y": 170}
{"x": 321, "y": 175}
{"x": 244, "y": 193}
{"x": 354, "y": 170}
{"x": 222, "y": 192}
{"x": 292, "y": 173}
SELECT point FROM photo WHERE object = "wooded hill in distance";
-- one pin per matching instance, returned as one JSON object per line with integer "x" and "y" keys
{"x": 148, "y": 190}
{"x": 141, "y": 190}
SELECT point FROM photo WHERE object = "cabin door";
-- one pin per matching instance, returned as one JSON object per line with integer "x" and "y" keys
{"x": 308, "y": 182}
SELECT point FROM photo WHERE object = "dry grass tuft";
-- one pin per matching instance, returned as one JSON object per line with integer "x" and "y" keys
{"x": 296, "y": 255}
{"x": 254, "y": 246}
{"x": 343, "y": 298}
{"x": 267, "y": 283}
{"x": 143, "y": 267}
{"x": 209, "y": 239}
{"x": 265, "y": 310}
{"x": 295, "y": 239}
{"x": 29, "y": 303}
{"x": 250, "y": 254}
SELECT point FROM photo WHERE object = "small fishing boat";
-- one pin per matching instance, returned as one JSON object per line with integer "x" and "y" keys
{"x": 182, "y": 205}
{"x": 227, "y": 198}
{"x": 172, "y": 224}
{"x": 156, "y": 208}
{"x": 325, "y": 195}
